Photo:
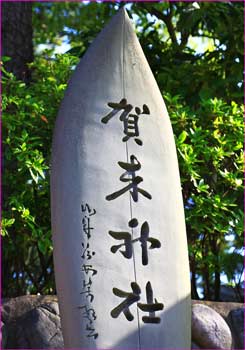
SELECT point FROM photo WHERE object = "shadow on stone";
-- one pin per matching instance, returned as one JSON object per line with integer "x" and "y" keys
{"x": 171, "y": 338}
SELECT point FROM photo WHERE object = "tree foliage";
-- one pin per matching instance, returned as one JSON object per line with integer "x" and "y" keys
{"x": 203, "y": 93}
{"x": 28, "y": 121}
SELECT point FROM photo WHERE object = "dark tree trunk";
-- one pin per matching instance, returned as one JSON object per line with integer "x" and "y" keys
{"x": 206, "y": 278}
{"x": 217, "y": 284}
{"x": 16, "y": 44}
{"x": 215, "y": 250}
{"x": 194, "y": 293}
{"x": 205, "y": 269}
{"x": 17, "y": 37}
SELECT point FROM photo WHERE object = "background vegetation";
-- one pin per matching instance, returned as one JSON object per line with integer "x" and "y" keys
{"x": 195, "y": 51}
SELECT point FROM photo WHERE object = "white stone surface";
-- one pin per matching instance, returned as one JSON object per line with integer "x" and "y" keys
{"x": 85, "y": 169}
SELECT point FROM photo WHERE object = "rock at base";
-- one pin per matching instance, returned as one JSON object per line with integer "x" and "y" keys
{"x": 37, "y": 328}
{"x": 209, "y": 329}
{"x": 33, "y": 322}
{"x": 236, "y": 321}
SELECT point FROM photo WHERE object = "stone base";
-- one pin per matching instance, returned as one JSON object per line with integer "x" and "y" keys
{"x": 32, "y": 321}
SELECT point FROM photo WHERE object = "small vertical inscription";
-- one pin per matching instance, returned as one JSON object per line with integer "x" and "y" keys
{"x": 87, "y": 253}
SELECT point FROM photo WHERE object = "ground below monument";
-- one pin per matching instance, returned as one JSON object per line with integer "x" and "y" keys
{"x": 32, "y": 321}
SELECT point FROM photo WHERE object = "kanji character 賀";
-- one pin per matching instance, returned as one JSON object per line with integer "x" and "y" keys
{"x": 130, "y": 121}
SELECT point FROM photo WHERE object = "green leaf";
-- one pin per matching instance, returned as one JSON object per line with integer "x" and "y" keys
{"x": 182, "y": 136}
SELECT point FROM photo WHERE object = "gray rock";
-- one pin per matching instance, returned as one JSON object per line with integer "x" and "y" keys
{"x": 222, "y": 308}
{"x": 40, "y": 328}
{"x": 52, "y": 307}
{"x": 236, "y": 321}
{"x": 209, "y": 329}
{"x": 3, "y": 334}
{"x": 14, "y": 308}
{"x": 32, "y": 323}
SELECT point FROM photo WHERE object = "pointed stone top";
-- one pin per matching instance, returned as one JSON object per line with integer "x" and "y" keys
{"x": 123, "y": 10}
{"x": 114, "y": 33}
{"x": 122, "y": 13}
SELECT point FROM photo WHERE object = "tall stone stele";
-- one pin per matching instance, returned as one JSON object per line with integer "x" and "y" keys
{"x": 120, "y": 249}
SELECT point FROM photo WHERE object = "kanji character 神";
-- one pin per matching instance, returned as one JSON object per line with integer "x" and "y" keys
{"x": 129, "y": 241}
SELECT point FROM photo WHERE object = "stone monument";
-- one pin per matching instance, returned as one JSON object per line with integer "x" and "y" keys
{"x": 120, "y": 248}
